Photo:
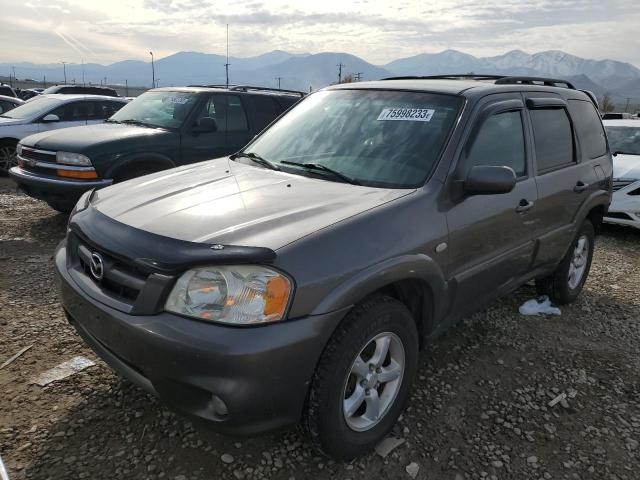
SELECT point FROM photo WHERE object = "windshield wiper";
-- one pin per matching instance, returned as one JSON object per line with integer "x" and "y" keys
{"x": 131, "y": 121}
{"x": 323, "y": 168}
{"x": 257, "y": 159}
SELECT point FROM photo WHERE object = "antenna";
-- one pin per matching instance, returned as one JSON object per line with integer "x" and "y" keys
{"x": 226, "y": 65}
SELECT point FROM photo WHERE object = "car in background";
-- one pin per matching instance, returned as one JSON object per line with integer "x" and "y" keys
{"x": 618, "y": 116}
{"x": 160, "y": 129}
{"x": 29, "y": 93}
{"x": 50, "y": 112}
{"x": 9, "y": 103}
{"x": 624, "y": 141}
{"x": 81, "y": 90}
{"x": 7, "y": 91}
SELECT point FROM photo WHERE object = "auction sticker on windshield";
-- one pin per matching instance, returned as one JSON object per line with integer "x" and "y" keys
{"x": 411, "y": 114}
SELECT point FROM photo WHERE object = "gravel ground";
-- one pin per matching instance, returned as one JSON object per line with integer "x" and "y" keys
{"x": 479, "y": 408}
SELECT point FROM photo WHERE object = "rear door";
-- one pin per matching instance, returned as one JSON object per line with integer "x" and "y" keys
{"x": 491, "y": 238}
{"x": 565, "y": 175}
{"x": 71, "y": 114}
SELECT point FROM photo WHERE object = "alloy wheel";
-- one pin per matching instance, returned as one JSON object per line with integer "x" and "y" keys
{"x": 578, "y": 264}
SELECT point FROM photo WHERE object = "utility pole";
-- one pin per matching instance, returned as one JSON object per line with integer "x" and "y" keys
{"x": 340, "y": 65}
{"x": 226, "y": 65}
{"x": 83, "y": 72}
{"x": 14, "y": 76}
{"x": 105, "y": 81}
{"x": 278, "y": 78}
{"x": 44, "y": 81}
{"x": 10, "y": 78}
{"x": 357, "y": 76}
{"x": 626, "y": 108}
{"x": 64, "y": 67}
{"x": 153, "y": 72}
{"x": 126, "y": 88}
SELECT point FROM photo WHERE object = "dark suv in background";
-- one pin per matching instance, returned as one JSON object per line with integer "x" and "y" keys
{"x": 160, "y": 129}
{"x": 299, "y": 278}
{"x": 81, "y": 90}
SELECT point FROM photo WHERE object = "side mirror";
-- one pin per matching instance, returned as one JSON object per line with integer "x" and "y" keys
{"x": 51, "y": 118}
{"x": 489, "y": 180}
{"x": 206, "y": 125}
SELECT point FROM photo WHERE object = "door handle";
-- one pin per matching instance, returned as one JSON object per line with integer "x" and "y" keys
{"x": 580, "y": 187}
{"x": 524, "y": 206}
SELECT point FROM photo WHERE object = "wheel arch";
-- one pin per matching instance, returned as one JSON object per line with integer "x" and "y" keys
{"x": 415, "y": 280}
{"x": 155, "y": 161}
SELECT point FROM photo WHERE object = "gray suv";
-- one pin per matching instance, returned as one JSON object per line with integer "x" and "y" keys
{"x": 298, "y": 279}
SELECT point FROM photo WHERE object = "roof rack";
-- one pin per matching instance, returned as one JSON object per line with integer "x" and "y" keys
{"x": 466, "y": 76}
{"x": 549, "y": 82}
{"x": 499, "y": 79}
{"x": 222, "y": 85}
{"x": 244, "y": 88}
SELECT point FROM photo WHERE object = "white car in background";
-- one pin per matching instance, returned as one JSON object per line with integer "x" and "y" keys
{"x": 624, "y": 140}
{"x": 51, "y": 112}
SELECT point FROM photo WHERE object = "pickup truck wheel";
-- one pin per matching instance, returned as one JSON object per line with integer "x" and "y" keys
{"x": 7, "y": 156}
{"x": 62, "y": 207}
{"x": 363, "y": 379}
{"x": 565, "y": 284}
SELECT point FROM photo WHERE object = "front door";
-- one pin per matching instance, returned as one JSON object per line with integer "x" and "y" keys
{"x": 491, "y": 239}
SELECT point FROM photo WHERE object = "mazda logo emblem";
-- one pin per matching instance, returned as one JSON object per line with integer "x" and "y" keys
{"x": 97, "y": 266}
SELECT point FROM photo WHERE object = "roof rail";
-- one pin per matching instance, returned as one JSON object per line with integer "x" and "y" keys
{"x": 465, "y": 76}
{"x": 549, "y": 82}
{"x": 245, "y": 88}
{"x": 592, "y": 97}
{"x": 222, "y": 85}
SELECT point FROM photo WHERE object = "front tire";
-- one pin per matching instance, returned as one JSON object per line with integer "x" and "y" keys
{"x": 363, "y": 379}
{"x": 8, "y": 157}
{"x": 565, "y": 284}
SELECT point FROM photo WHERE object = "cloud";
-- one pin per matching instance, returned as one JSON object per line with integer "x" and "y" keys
{"x": 378, "y": 31}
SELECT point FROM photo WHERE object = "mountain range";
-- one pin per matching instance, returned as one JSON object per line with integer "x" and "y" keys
{"x": 304, "y": 71}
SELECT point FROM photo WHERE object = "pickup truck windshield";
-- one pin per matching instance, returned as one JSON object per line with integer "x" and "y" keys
{"x": 157, "y": 109}
{"x": 387, "y": 139}
{"x": 37, "y": 106}
{"x": 624, "y": 140}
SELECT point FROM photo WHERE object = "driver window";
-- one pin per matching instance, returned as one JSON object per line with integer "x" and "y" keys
{"x": 500, "y": 142}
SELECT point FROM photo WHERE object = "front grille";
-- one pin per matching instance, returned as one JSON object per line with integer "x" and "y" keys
{"x": 620, "y": 183}
{"x": 618, "y": 215}
{"x": 40, "y": 155}
{"x": 120, "y": 279}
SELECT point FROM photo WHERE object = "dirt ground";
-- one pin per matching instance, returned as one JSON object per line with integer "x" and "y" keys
{"x": 479, "y": 408}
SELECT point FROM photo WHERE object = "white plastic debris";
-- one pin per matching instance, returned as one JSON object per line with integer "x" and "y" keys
{"x": 539, "y": 306}
{"x": 412, "y": 469}
{"x": 560, "y": 398}
{"x": 386, "y": 446}
{"x": 64, "y": 370}
{"x": 23, "y": 350}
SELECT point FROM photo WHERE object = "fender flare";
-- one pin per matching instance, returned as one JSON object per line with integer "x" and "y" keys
{"x": 406, "y": 267}
{"x": 596, "y": 199}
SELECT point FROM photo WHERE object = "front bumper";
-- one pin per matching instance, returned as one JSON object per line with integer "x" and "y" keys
{"x": 625, "y": 207}
{"x": 50, "y": 188}
{"x": 262, "y": 374}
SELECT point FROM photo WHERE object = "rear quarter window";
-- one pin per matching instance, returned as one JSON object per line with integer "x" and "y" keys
{"x": 589, "y": 128}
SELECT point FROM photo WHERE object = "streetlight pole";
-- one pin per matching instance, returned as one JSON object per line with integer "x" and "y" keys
{"x": 64, "y": 67}
{"x": 153, "y": 72}
{"x": 278, "y": 78}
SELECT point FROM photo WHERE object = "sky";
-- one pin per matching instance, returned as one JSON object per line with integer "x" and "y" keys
{"x": 107, "y": 31}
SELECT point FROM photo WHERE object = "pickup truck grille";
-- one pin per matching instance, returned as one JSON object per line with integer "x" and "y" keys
{"x": 39, "y": 155}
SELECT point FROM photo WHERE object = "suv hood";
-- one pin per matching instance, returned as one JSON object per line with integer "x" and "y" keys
{"x": 626, "y": 166}
{"x": 223, "y": 201}
{"x": 86, "y": 138}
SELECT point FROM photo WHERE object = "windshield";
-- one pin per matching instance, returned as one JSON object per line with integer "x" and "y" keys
{"x": 624, "y": 139}
{"x": 37, "y": 106}
{"x": 157, "y": 109}
{"x": 387, "y": 139}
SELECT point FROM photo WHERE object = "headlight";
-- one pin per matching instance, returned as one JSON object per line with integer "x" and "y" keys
{"x": 19, "y": 149}
{"x": 82, "y": 203}
{"x": 240, "y": 295}
{"x": 73, "y": 159}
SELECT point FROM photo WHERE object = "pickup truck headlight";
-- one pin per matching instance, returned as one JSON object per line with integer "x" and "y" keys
{"x": 239, "y": 295}
{"x": 69, "y": 158}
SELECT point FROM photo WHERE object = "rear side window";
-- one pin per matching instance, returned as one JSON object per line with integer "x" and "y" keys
{"x": 228, "y": 112}
{"x": 589, "y": 128}
{"x": 553, "y": 138}
{"x": 500, "y": 142}
{"x": 265, "y": 111}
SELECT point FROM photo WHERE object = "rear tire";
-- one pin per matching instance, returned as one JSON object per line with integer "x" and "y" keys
{"x": 565, "y": 284}
{"x": 359, "y": 389}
